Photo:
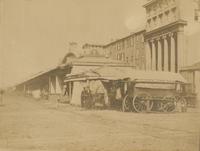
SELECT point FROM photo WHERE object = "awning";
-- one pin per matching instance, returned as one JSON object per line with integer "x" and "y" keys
{"x": 121, "y": 73}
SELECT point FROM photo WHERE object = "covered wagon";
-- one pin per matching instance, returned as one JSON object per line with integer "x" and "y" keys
{"x": 139, "y": 91}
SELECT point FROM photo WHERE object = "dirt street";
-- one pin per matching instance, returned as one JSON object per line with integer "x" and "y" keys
{"x": 30, "y": 125}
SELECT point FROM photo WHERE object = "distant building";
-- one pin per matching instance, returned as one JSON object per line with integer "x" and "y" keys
{"x": 192, "y": 75}
{"x": 129, "y": 49}
{"x": 161, "y": 45}
{"x": 52, "y": 79}
{"x": 93, "y": 50}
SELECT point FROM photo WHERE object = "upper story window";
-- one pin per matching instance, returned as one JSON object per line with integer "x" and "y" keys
{"x": 174, "y": 14}
{"x": 154, "y": 21}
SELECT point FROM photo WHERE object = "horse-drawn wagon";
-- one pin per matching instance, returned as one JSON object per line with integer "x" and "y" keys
{"x": 140, "y": 91}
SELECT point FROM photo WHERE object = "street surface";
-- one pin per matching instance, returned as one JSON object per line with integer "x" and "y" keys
{"x": 32, "y": 125}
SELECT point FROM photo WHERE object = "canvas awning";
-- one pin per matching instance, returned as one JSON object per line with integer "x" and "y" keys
{"x": 119, "y": 73}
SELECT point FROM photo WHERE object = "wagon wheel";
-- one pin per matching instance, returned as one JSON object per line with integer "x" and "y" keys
{"x": 169, "y": 106}
{"x": 181, "y": 104}
{"x": 142, "y": 103}
{"x": 126, "y": 104}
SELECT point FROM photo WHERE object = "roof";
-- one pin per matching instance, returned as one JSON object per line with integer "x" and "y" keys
{"x": 139, "y": 31}
{"x": 148, "y": 3}
{"x": 193, "y": 67}
{"x": 128, "y": 72}
{"x": 95, "y": 61}
{"x": 38, "y": 74}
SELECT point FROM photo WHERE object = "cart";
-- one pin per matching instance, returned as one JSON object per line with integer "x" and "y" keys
{"x": 154, "y": 95}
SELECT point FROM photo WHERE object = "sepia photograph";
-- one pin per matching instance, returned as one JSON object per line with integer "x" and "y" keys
{"x": 99, "y": 75}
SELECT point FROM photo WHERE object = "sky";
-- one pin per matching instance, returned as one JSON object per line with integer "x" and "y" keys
{"x": 35, "y": 33}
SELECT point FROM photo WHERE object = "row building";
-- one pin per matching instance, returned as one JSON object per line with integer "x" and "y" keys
{"x": 160, "y": 45}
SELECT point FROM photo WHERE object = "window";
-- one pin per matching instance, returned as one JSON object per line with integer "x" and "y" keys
{"x": 154, "y": 21}
{"x": 123, "y": 44}
{"x": 167, "y": 16}
{"x": 149, "y": 23}
{"x": 174, "y": 14}
{"x": 161, "y": 19}
{"x": 132, "y": 41}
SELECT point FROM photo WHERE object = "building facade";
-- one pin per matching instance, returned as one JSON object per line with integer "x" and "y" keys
{"x": 164, "y": 37}
{"x": 129, "y": 49}
{"x": 93, "y": 50}
{"x": 161, "y": 45}
{"x": 192, "y": 75}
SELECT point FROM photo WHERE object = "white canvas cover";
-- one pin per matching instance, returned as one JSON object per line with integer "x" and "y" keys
{"x": 122, "y": 73}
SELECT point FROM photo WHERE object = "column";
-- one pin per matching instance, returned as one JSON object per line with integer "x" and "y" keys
{"x": 173, "y": 55}
{"x": 148, "y": 55}
{"x": 51, "y": 87}
{"x": 166, "y": 53}
{"x": 58, "y": 86}
{"x": 70, "y": 90}
{"x": 180, "y": 50}
{"x": 153, "y": 67}
{"x": 159, "y": 55}
{"x": 49, "y": 84}
{"x": 24, "y": 88}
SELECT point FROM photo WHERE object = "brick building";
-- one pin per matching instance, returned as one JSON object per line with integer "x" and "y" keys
{"x": 161, "y": 45}
{"x": 129, "y": 49}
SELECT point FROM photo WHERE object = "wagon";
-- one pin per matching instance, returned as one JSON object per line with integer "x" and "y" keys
{"x": 153, "y": 95}
{"x": 140, "y": 91}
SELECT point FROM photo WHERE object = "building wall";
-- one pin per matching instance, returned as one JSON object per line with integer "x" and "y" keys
{"x": 162, "y": 46}
{"x": 93, "y": 50}
{"x": 129, "y": 49}
{"x": 193, "y": 77}
{"x": 197, "y": 83}
{"x": 164, "y": 39}
{"x": 189, "y": 76}
{"x": 160, "y": 13}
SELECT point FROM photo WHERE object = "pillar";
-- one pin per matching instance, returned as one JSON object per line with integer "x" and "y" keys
{"x": 173, "y": 53}
{"x": 51, "y": 87}
{"x": 166, "y": 53}
{"x": 159, "y": 55}
{"x": 70, "y": 90}
{"x": 148, "y": 55}
{"x": 180, "y": 50}
{"x": 49, "y": 84}
{"x": 24, "y": 88}
{"x": 58, "y": 86}
{"x": 153, "y": 67}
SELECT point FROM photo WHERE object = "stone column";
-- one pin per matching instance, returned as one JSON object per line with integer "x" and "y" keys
{"x": 24, "y": 88}
{"x": 166, "y": 53}
{"x": 70, "y": 91}
{"x": 51, "y": 87}
{"x": 159, "y": 55}
{"x": 173, "y": 53}
{"x": 58, "y": 86}
{"x": 153, "y": 66}
{"x": 180, "y": 50}
{"x": 148, "y": 55}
